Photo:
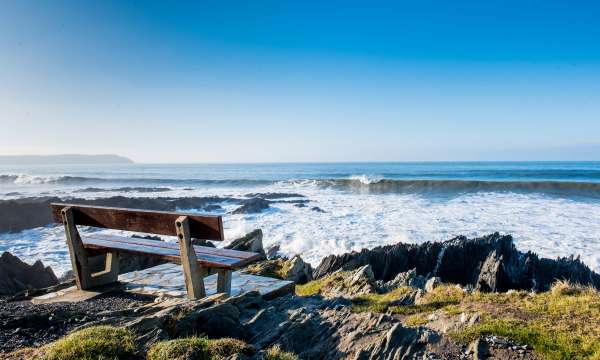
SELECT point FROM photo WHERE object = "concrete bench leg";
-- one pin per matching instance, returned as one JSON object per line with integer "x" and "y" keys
{"x": 84, "y": 278}
{"x": 192, "y": 272}
{"x": 224, "y": 281}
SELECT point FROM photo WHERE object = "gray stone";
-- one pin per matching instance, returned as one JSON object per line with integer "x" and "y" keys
{"x": 273, "y": 252}
{"x": 479, "y": 349}
{"x": 249, "y": 242}
{"x": 432, "y": 284}
{"x": 364, "y": 273}
{"x": 252, "y": 206}
{"x": 17, "y": 276}
{"x": 299, "y": 271}
{"x": 406, "y": 278}
{"x": 489, "y": 275}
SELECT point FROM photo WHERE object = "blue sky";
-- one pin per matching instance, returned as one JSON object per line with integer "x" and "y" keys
{"x": 301, "y": 81}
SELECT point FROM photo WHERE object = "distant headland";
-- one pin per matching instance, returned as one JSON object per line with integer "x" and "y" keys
{"x": 63, "y": 159}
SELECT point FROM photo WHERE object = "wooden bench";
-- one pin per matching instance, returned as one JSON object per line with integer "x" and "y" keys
{"x": 197, "y": 261}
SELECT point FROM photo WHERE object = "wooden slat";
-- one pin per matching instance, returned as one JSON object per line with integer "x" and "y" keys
{"x": 154, "y": 222}
{"x": 168, "y": 254}
{"x": 242, "y": 255}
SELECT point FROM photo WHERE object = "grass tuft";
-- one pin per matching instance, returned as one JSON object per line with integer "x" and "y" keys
{"x": 198, "y": 348}
{"x": 275, "y": 353}
{"x": 98, "y": 342}
{"x": 226, "y": 347}
{"x": 322, "y": 286}
{"x": 192, "y": 348}
{"x": 379, "y": 302}
{"x": 416, "y": 320}
{"x": 275, "y": 268}
{"x": 565, "y": 288}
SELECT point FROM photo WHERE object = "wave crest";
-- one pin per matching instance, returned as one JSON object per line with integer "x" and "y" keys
{"x": 460, "y": 186}
{"x": 367, "y": 179}
{"x": 26, "y": 179}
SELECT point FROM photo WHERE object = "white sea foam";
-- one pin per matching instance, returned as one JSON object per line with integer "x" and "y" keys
{"x": 367, "y": 179}
{"x": 26, "y": 179}
{"x": 549, "y": 226}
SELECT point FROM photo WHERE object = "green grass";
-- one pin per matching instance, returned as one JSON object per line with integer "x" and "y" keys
{"x": 416, "y": 320}
{"x": 379, "y": 302}
{"x": 276, "y": 268}
{"x": 275, "y": 353}
{"x": 322, "y": 286}
{"x": 563, "y": 323}
{"x": 93, "y": 343}
{"x": 198, "y": 348}
{"x": 442, "y": 297}
{"x": 226, "y": 347}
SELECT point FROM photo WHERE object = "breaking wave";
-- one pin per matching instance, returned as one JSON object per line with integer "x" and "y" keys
{"x": 25, "y": 179}
{"x": 379, "y": 186}
{"x": 376, "y": 184}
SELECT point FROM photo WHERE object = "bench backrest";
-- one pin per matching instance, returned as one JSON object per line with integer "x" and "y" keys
{"x": 205, "y": 227}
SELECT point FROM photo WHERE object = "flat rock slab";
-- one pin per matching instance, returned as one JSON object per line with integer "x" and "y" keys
{"x": 167, "y": 280}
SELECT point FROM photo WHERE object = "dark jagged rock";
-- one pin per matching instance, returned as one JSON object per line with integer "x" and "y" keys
{"x": 294, "y": 269}
{"x": 317, "y": 209}
{"x": 249, "y": 242}
{"x": 252, "y": 206}
{"x": 16, "y": 276}
{"x": 386, "y": 261}
{"x": 273, "y": 252}
{"x": 123, "y": 189}
{"x": 489, "y": 263}
{"x": 271, "y": 196}
{"x": 25, "y": 213}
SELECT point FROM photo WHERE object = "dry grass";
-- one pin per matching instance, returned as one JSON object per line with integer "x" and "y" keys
{"x": 276, "y": 268}
{"x": 275, "y": 353}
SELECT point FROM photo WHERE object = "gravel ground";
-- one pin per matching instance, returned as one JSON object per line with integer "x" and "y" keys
{"x": 25, "y": 324}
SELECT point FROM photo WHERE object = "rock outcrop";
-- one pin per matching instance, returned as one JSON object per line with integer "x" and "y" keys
{"x": 294, "y": 269}
{"x": 249, "y": 242}
{"x": 252, "y": 205}
{"x": 310, "y": 327}
{"x": 488, "y": 263}
{"x": 16, "y": 276}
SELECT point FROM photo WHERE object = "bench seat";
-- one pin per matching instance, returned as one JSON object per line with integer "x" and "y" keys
{"x": 197, "y": 261}
{"x": 205, "y": 256}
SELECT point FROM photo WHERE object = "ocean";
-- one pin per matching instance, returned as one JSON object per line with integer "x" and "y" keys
{"x": 551, "y": 208}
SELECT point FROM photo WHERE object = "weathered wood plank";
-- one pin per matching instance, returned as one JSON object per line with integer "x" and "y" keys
{"x": 168, "y": 254}
{"x": 242, "y": 255}
{"x": 192, "y": 272}
{"x": 155, "y": 222}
